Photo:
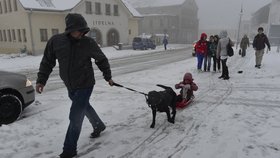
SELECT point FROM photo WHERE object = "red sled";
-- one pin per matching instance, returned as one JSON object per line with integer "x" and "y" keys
{"x": 184, "y": 103}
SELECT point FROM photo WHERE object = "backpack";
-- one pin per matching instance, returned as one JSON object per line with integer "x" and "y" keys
{"x": 230, "y": 51}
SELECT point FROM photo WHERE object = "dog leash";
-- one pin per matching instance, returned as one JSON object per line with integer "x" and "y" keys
{"x": 146, "y": 95}
{"x": 118, "y": 85}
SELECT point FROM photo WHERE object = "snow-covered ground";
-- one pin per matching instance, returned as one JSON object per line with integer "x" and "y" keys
{"x": 238, "y": 118}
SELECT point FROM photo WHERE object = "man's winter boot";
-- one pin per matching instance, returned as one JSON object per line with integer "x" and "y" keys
{"x": 97, "y": 131}
{"x": 65, "y": 154}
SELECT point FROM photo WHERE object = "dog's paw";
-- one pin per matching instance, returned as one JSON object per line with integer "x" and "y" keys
{"x": 152, "y": 126}
{"x": 171, "y": 121}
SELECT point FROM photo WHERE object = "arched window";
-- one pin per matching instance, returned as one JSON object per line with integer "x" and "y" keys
{"x": 96, "y": 35}
{"x": 113, "y": 37}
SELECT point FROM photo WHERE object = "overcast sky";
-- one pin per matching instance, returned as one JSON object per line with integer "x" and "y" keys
{"x": 225, "y": 13}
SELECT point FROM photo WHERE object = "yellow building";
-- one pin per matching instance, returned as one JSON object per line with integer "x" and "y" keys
{"x": 26, "y": 25}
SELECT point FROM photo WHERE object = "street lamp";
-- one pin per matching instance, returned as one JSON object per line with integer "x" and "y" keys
{"x": 241, "y": 13}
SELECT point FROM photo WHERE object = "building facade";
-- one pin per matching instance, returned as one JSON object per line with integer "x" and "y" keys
{"x": 269, "y": 18}
{"x": 35, "y": 21}
{"x": 178, "y": 19}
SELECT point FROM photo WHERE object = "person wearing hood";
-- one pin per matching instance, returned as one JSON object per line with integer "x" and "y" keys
{"x": 74, "y": 51}
{"x": 201, "y": 50}
{"x": 187, "y": 87}
{"x": 244, "y": 44}
{"x": 259, "y": 44}
{"x": 222, "y": 53}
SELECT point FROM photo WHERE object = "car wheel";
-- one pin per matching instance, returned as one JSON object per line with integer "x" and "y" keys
{"x": 10, "y": 108}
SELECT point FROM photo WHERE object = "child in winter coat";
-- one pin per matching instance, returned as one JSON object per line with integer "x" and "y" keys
{"x": 212, "y": 48}
{"x": 187, "y": 87}
{"x": 201, "y": 50}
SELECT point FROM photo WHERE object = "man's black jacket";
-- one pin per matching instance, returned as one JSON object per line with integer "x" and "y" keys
{"x": 74, "y": 58}
{"x": 259, "y": 42}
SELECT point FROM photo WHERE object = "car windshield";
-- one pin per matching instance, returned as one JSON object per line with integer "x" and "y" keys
{"x": 137, "y": 40}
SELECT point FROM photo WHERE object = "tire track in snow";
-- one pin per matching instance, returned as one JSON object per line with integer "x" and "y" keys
{"x": 149, "y": 140}
{"x": 210, "y": 108}
{"x": 183, "y": 144}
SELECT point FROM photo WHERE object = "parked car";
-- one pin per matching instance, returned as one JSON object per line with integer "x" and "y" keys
{"x": 143, "y": 43}
{"x": 16, "y": 93}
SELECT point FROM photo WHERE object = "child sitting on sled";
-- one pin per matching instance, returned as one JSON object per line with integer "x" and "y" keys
{"x": 187, "y": 87}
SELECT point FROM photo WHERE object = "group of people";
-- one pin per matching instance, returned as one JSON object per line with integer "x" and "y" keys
{"x": 213, "y": 50}
{"x": 216, "y": 50}
{"x": 74, "y": 52}
{"x": 259, "y": 42}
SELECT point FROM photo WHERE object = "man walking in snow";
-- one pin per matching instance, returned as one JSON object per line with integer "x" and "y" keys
{"x": 259, "y": 44}
{"x": 165, "y": 42}
{"x": 244, "y": 44}
{"x": 74, "y": 51}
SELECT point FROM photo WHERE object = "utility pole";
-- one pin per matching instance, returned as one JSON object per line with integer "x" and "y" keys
{"x": 241, "y": 13}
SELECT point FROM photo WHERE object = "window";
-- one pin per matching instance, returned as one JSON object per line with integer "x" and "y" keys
{"x": 9, "y": 36}
{"x": 108, "y": 9}
{"x": 129, "y": 31}
{"x": 55, "y": 31}
{"x": 4, "y": 35}
{"x": 1, "y": 8}
{"x": 116, "y": 10}
{"x": 14, "y": 35}
{"x": 9, "y": 6}
{"x": 19, "y": 35}
{"x": 5, "y": 6}
{"x": 24, "y": 35}
{"x": 97, "y": 8}
{"x": 15, "y": 5}
{"x": 88, "y": 7}
{"x": 1, "y": 37}
{"x": 44, "y": 35}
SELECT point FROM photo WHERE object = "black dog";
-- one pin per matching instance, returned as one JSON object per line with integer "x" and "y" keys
{"x": 161, "y": 101}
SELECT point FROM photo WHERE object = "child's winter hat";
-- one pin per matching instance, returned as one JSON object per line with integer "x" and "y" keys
{"x": 188, "y": 77}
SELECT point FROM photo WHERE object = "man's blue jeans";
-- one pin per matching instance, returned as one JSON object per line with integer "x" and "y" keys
{"x": 79, "y": 109}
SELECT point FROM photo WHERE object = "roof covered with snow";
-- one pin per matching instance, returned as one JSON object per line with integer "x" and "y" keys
{"x": 63, "y": 5}
{"x": 131, "y": 9}
{"x": 55, "y": 5}
{"x": 155, "y": 3}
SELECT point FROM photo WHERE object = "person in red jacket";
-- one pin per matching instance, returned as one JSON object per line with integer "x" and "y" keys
{"x": 187, "y": 87}
{"x": 201, "y": 50}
